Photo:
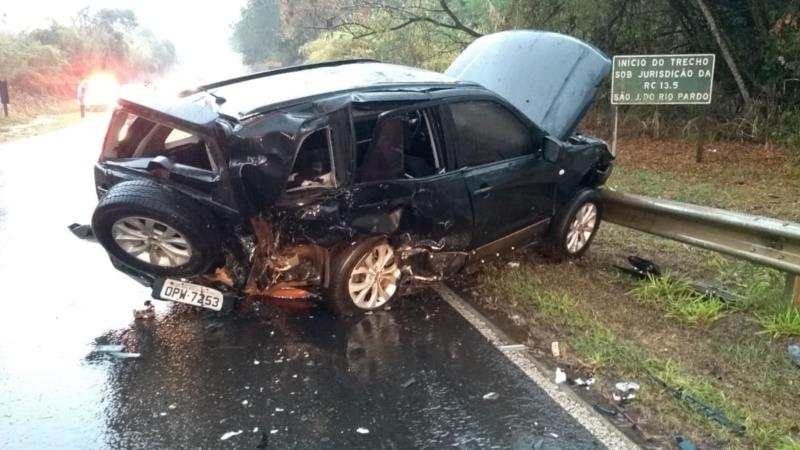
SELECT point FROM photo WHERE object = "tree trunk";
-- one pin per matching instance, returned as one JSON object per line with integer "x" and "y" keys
{"x": 726, "y": 52}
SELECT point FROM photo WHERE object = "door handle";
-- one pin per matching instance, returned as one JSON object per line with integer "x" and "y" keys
{"x": 483, "y": 190}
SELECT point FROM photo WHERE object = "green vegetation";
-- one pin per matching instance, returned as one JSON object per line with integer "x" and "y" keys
{"x": 50, "y": 62}
{"x": 757, "y": 43}
{"x": 783, "y": 322}
{"x": 749, "y": 392}
{"x": 679, "y": 300}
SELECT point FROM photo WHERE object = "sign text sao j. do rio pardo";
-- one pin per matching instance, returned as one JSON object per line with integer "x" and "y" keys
{"x": 662, "y": 79}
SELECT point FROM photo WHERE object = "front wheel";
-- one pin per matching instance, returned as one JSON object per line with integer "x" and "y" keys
{"x": 365, "y": 276}
{"x": 575, "y": 227}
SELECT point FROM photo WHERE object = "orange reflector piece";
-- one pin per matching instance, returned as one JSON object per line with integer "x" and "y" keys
{"x": 287, "y": 293}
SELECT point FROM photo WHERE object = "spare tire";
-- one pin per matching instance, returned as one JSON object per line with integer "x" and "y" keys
{"x": 156, "y": 230}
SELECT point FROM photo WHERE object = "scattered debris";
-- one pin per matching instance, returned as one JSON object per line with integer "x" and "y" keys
{"x": 625, "y": 391}
{"x": 513, "y": 264}
{"x": 255, "y": 430}
{"x": 560, "y": 376}
{"x": 794, "y": 353}
{"x": 605, "y": 409}
{"x": 279, "y": 410}
{"x": 362, "y": 430}
{"x": 640, "y": 267}
{"x": 553, "y": 435}
{"x": 408, "y": 383}
{"x": 555, "y": 349}
{"x": 81, "y": 231}
{"x": 146, "y": 313}
{"x": 685, "y": 443}
{"x": 491, "y": 396}
{"x": 244, "y": 402}
{"x": 273, "y": 431}
{"x": 513, "y": 347}
{"x": 588, "y": 382}
{"x": 256, "y": 362}
{"x": 229, "y": 435}
{"x": 125, "y": 355}
{"x": 108, "y": 348}
{"x": 698, "y": 405}
{"x": 172, "y": 406}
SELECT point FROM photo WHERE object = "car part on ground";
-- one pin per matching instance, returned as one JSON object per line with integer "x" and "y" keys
{"x": 697, "y": 405}
{"x": 349, "y": 177}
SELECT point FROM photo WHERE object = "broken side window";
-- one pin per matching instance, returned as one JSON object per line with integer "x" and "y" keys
{"x": 487, "y": 132}
{"x": 402, "y": 146}
{"x": 134, "y": 138}
{"x": 313, "y": 164}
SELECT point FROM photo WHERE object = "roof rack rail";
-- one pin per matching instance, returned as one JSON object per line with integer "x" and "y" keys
{"x": 271, "y": 72}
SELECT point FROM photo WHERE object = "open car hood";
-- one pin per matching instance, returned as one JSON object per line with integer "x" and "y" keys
{"x": 550, "y": 77}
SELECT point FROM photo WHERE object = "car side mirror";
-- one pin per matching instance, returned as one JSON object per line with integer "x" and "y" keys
{"x": 553, "y": 149}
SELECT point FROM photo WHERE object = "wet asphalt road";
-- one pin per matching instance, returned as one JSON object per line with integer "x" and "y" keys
{"x": 411, "y": 377}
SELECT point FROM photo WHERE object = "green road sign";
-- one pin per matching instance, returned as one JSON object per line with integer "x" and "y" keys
{"x": 662, "y": 79}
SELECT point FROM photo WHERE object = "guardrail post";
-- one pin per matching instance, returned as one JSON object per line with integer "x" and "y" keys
{"x": 792, "y": 291}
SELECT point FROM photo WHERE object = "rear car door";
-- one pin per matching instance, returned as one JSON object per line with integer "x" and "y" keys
{"x": 500, "y": 157}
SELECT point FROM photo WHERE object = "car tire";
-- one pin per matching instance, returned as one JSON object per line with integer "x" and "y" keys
{"x": 364, "y": 277}
{"x": 156, "y": 230}
{"x": 575, "y": 226}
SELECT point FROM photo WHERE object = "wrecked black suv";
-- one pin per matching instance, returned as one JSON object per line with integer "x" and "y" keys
{"x": 347, "y": 179}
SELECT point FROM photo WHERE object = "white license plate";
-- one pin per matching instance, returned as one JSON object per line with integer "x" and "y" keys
{"x": 191, "y": 294}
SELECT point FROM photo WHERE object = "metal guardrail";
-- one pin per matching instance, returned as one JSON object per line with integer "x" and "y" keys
{"x": 761, "y": 240}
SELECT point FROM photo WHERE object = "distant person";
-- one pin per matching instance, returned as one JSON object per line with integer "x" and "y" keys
{"x": 82, "y": 87}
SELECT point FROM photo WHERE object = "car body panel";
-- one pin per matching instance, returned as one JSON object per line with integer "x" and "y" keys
{"x": 550, "y": 77}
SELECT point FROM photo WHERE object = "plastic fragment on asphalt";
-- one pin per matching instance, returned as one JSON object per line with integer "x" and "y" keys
{"x": 256, "y": 362}
{"x": 244, "y": 402}
{"x": 554, "y": 435}
{"x": 408, "y": 383}
{"x": 162, "y": 414}
{"x": 108, "y": 348}
{"x": 124, "y": 355}
{"x": 255, "y": 430}
{"x": 172, "y": 406}
{"x": 794, "y": 353}
{"x": 555, "y": 349}
{"x": 560, "y": 376}
{"x": 362, "y": 430}
{"x": 513, "y": 347}
{"x": 491, "y": 396}
{"x": 273, "y": 431}
{"x": 230, "y": 434}
{"x": 278, "y": 409}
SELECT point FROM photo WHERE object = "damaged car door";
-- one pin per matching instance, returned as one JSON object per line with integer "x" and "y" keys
{"x": 500, "y": 156}
{"x": 403, "y": 186}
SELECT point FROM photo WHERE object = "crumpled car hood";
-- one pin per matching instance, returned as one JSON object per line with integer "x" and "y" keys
{"x": 550, "y": 77}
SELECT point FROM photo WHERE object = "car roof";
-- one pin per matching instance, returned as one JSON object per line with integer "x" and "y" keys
{"x": 252, "y": 94}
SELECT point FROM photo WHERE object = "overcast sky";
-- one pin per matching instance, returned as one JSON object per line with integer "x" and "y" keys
{"x": 200, "y": 30}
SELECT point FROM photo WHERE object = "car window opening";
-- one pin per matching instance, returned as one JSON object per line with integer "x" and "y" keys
{"x": 488, "y": 132}
{"x": 403, "y": 147}
{"x": 136, "y": 138}
{"x": 313, "y": 164}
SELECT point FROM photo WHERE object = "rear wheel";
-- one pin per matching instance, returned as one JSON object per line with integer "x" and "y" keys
{"x": 365, "y": 277}
{"x": 156, "y": 230}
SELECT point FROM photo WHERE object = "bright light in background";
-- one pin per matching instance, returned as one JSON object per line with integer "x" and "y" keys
{"x": 200, "y": 30}
{"x": 102, "y": 89}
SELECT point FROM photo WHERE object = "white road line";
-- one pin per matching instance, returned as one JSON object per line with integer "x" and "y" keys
{"x": 570, "y": 402}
